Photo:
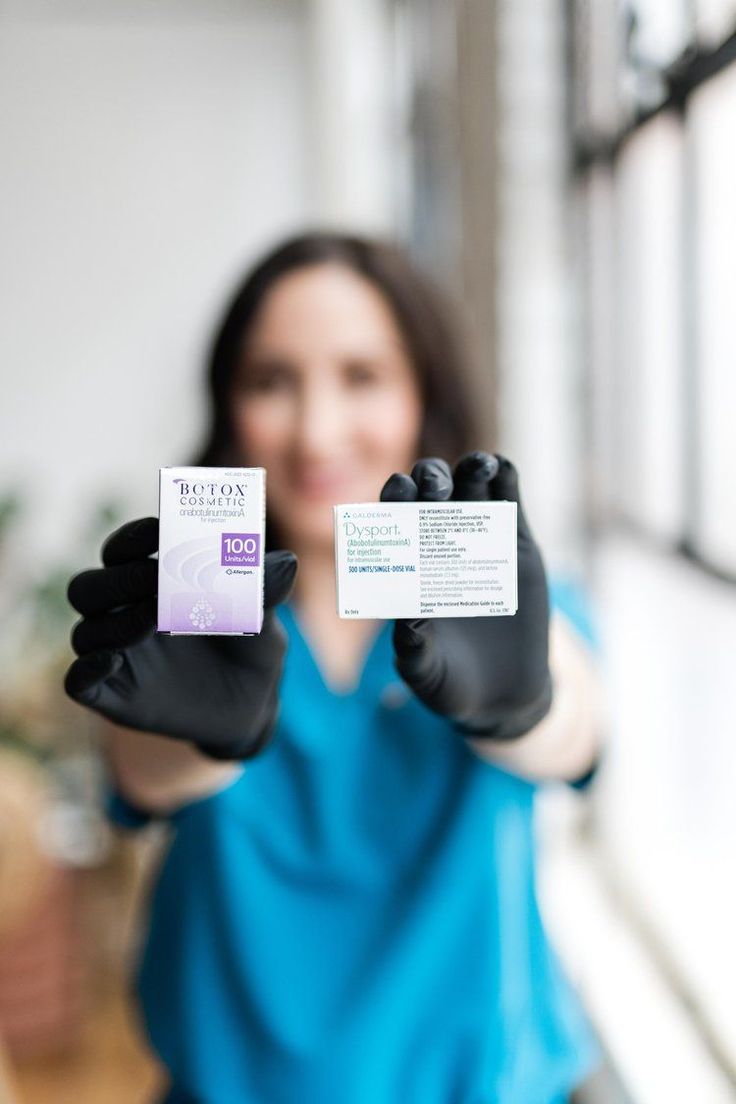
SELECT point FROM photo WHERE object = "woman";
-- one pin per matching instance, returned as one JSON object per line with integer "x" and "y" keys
{"x": 346, "y": 911}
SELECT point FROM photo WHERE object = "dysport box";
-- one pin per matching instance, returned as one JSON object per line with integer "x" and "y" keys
{"x": 211, "y": 544}
{"x": 426, "y": 559}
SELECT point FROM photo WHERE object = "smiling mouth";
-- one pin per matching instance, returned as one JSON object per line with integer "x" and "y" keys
{"x": 324, "y": 480}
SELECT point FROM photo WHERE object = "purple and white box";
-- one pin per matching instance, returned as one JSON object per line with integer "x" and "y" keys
{"x": 211, "y": 541}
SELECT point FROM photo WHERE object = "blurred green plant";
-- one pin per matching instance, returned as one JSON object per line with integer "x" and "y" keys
{"x": 52, "y": 615}
{"x": 35, "y": 714}
{"x": 9, "y": 509}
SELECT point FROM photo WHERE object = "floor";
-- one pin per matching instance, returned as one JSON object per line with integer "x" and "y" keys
{"x": 110, "y": 1063}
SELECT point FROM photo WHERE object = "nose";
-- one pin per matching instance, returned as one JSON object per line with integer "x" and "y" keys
{"x": 318, "y": 420}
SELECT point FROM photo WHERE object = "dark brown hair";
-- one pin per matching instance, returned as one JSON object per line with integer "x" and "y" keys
{"x": 431, "y": 332}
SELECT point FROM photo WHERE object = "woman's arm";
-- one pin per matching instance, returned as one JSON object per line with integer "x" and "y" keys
{"x": 566, "y": 742}
{"x": 156, "y": 774}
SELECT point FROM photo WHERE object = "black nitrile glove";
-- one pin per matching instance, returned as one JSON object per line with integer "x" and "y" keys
{"x": 219, "y": 692}
{"x": 489, "y": 675}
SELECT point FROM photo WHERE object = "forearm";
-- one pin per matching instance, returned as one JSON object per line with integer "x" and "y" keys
{"x": 566, "y": 742}
{"x": 157, "y": 774}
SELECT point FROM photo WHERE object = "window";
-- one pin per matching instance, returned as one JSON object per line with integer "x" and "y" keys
{"x": 714, "y": 20}
{"x": 648, "y": 396}
{"x": 711, "y": 123}
{"x": 656, "y": 181}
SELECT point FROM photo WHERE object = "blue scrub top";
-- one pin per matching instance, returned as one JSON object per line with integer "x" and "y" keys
{"x": 353, "y": 920}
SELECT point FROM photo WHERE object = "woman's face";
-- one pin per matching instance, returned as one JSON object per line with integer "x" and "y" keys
{"x": 325, "y": 398}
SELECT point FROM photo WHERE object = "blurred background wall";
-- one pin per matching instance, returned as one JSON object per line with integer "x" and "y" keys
{"x": 152, "y": 150}
{"x": 566, "y": 169}
{"x": 149, "y": 150}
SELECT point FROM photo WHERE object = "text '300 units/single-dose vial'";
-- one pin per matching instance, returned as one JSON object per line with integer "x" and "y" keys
{"x": 211, "y": 543}
{"x": 426, "y": 559}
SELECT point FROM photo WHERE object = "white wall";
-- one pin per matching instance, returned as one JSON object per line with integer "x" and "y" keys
{"x": 149, "y": 151}
{"x": 352, "y": 136}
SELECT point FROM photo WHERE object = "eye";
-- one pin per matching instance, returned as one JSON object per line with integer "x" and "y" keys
{"x": 265, "y": 378}
{"x": 360, "y": 372}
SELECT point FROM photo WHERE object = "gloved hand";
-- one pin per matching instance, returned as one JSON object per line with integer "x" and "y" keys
{"x": 219, "y": 692}
{"x": 489, "y": 675}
